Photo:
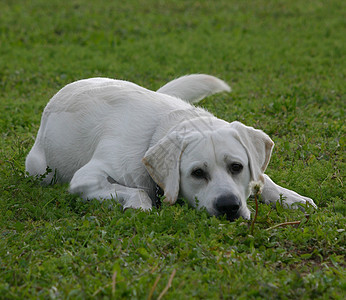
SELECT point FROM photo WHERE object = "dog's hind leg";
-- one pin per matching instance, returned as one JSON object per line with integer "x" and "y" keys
{"x": 93, "y": 182}
{"x": 272, "y": 193}
{"x": 35, "y": 163}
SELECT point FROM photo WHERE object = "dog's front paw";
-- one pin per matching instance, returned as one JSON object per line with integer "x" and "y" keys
{"x": 138, "y": 200}
{"x": 272, "y": 193}
{"x": 294, "y": 200}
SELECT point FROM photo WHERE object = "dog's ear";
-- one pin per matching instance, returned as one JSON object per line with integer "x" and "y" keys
{"x": 259, "y": 147}
{"x": 162, "y": 162}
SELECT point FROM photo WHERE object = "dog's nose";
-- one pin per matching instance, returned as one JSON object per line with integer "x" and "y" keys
{"x": 229, "y": 205}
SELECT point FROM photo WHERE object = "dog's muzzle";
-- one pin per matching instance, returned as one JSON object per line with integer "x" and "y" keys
{"x": 228, "y": 205}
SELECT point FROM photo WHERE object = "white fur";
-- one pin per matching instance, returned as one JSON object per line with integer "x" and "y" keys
{"x": 195, "y": 87}
{"x": 114, "y": 139}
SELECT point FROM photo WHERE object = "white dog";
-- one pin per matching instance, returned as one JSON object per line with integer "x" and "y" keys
{"x": 114, "y": 139}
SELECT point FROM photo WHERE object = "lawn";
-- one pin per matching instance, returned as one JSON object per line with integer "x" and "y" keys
{"x": 285, "y": 61}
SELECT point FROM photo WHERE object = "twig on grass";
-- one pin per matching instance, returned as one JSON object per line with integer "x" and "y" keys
{"x": 168, "y": 285}
{"x": 114, "y": 277}
{"x": 154, "y": 286}
{"x": 112, "y": 284}
{"x": 287, "y": 223}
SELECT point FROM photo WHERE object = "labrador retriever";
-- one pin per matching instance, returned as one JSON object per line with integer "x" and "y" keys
{"x": 114, "y": 139}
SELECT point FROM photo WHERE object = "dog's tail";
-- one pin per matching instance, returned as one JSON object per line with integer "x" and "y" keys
{"x": 193, "y": 88}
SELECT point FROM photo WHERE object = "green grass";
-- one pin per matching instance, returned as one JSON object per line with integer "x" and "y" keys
{"x": 285, "y": 61}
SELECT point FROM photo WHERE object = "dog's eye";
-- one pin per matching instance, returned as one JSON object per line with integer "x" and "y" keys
{"x": 236, "y": 168}
{"x": 199, "y": 173}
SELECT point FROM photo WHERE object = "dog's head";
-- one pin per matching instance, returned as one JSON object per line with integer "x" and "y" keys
{"x": 210, "y": 168}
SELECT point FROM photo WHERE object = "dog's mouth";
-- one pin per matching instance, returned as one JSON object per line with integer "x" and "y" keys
{"x": 229, "y": 217}
{"x": 241, "y": 213}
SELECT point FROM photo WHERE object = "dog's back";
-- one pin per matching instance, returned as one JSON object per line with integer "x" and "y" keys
{"x": 88, "y": 111}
